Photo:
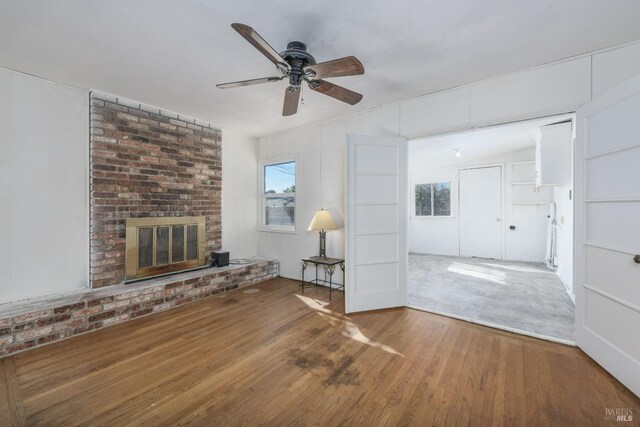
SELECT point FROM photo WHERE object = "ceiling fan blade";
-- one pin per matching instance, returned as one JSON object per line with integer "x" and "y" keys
{"x": 291, "y": 98}
{"x": 348, "y": 66}
{"x": 249, "y": 82}
{"x": 338, "y": 92}
{"x": 259, "y": 43}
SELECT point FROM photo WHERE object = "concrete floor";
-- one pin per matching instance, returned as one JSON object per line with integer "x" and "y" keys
{"x": 520, "y": 296}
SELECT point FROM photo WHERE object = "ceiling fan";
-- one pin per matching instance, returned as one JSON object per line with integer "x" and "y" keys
{"x": 299, "y": 66}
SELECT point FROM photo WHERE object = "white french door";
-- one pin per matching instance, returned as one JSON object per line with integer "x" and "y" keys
{"x": 608, "y": 231}
{"x": 480, "y": 212}
{"x": 376, "y": 223}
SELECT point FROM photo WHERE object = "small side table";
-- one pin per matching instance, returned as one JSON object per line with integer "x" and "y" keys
{"x": 329, "y": 265}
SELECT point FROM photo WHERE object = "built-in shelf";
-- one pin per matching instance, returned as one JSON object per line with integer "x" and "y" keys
{"x": 553, "y": 155}
{"x": 524, "y": 162}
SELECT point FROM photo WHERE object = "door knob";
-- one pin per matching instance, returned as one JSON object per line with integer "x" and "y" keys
{"x": 636, "y": 259}
{"x": 497, "y": 219}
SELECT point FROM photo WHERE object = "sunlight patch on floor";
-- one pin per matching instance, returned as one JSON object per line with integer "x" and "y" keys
{"x": 314, "y": 303}
{"x": 488, "y": 274}
{"x": 521, "y": 269}
{"x": 344, "y": 325}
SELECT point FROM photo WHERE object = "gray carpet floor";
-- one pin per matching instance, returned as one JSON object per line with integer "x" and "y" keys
{"x": 523, "y": 296}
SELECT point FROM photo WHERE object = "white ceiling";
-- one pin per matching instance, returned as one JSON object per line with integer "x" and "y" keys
{"x": 172, "y": 53}
{"x": 438, "y": 151}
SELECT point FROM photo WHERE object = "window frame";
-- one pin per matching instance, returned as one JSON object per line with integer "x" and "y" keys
{"x": 432, "y": 183}
{"x": 262, "y": 225}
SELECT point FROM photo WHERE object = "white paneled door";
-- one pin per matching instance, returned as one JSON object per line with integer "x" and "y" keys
{"x": 481, "y": 212}
{"x": 608, "y": 231}
{"x": 376, "y": 223}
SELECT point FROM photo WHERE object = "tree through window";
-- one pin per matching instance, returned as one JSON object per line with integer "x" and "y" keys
{"x": 433, "y": 199}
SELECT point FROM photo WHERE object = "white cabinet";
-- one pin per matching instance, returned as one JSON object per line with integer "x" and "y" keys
{"x": 553, "y": 155}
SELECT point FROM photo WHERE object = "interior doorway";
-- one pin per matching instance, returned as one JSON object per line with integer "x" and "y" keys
{"x": 480, "y": 199}
{"x": 491, "y": 227}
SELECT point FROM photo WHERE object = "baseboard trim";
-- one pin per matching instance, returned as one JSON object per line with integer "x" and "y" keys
{"x": 496, "y": 326}
{"x": 567, "y": 287}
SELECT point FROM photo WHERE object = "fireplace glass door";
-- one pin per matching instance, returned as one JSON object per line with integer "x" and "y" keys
{"x": 163, "y": 245}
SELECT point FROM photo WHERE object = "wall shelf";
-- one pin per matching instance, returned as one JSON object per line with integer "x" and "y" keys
{"x": 553, "y": 154}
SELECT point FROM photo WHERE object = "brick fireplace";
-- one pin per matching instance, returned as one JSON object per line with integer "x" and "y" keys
{"x": 147, "y": 163}
{"x": 161, "y": 172}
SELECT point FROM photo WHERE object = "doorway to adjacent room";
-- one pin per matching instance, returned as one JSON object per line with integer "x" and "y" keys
{"x": 491, "y": 227}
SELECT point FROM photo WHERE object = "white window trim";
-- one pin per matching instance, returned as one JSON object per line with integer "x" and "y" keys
{"x": 432, "y": 217}
{"x": 261, "y": 219}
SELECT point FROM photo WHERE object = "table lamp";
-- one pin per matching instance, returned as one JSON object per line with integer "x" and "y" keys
{"x": 322, "y": 221}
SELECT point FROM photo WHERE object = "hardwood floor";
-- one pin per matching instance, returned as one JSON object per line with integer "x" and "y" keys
{"x": 279, "y": 358}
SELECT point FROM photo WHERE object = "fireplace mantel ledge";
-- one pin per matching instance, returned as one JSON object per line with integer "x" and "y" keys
{"x": 39, "y": 321}
{"x": 30, "y": 305}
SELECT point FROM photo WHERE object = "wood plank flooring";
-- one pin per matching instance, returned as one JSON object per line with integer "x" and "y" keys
{"x": 275, "y": 357}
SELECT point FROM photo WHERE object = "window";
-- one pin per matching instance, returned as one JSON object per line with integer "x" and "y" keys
{"x": 279, "y": 195}
{"x": 433, "y": 199}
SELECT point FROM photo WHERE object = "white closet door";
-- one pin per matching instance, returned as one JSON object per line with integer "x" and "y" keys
{"x": 376, "y": 225}
{"x": 608, "y": 231}
{"x": 481, "y": 212}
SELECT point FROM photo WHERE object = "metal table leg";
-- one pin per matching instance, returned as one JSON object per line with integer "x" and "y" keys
{"x": 304, "y": 267}
{"x": 330, "y": 269}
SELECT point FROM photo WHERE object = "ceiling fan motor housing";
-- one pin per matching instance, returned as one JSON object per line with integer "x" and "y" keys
{"x": 297, "y": 57}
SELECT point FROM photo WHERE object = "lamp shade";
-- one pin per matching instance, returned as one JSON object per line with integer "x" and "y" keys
{"x": 322, "y": 220}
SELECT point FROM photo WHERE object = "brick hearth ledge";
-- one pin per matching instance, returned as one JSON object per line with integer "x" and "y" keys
{"x": 39, "y": 321}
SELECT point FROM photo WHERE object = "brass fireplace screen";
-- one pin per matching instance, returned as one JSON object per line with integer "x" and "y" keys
{"x": 157, "y": 246}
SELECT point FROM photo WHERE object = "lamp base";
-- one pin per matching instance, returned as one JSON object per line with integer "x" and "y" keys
{"x": 323, "y": 244}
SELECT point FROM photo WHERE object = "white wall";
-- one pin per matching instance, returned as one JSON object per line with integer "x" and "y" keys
{"x": 320, "y": 154}
{"x": 439, "y": 235}
{"x": 44, "y": 206}
{"x": 239, "y": 195}
{"x": 563, "y": 198}
{"x": 551, "y": 89}
{"x": 564, "y": 234}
